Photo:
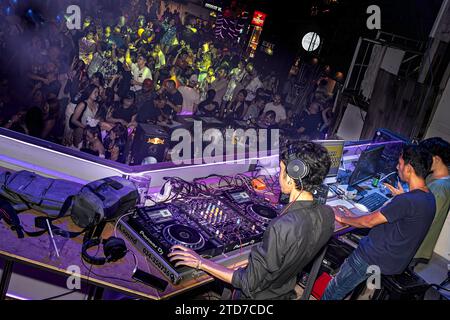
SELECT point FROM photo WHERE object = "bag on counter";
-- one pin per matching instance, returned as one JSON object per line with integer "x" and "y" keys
{"x": 103, "y": 199}
{"x": 89, "y": 205}
{"x": 24, "y": 190}
{"x": 27, "y": 190}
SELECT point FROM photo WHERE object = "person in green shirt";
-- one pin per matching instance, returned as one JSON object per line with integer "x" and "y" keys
{"x": 439, "y": 184}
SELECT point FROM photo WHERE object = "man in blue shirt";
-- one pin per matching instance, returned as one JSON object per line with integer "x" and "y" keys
{"x": 439, "y": 184}
{"x": 398, "y": 228}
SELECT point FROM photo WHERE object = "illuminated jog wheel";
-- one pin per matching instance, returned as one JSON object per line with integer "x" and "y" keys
{"x": 184, "y": 235}
{"x": 261, "y": 212}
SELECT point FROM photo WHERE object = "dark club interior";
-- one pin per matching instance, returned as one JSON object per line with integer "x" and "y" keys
{"x": 224, "y": 150}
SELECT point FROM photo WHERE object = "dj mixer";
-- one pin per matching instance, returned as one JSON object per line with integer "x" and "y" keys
{"x": 213, "y": 226}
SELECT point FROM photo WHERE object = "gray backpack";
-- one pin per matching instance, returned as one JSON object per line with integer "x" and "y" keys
{"x": 27, "y": 190}
{"x": 89, "y": 205}
{"x": 103, "y": 200}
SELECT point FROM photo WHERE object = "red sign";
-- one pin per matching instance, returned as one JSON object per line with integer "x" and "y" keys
{"x": 259, "y": 18}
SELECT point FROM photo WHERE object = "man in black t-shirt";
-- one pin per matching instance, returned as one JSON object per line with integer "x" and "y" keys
{"x": 173, "y": 96}
{"x": 308, "y": 123}
{"x": 125, "y": 113}
{"x": 148, "y": 113}
{"x": 290, "y": 241}
{"x": 209, "y": 107}
{"x": 145, "y": 95}
{"x": 398, "y": 228}
{"x": 154, "y": 111}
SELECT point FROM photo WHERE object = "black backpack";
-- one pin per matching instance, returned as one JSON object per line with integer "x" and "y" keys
{"x": 27, "y": 190}
{"x": 96, "y": 202}
{"x": 104, "y": 199}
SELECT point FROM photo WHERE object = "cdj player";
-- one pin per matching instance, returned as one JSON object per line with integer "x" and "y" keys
{"x": 217, "y": 228}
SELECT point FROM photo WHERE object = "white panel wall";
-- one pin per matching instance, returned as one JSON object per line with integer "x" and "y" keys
{"x": 18, "y": 155}
{"x": 440, "y": 125}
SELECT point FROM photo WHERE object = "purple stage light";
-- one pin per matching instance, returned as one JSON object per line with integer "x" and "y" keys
{"x": 16, "y": 297}
{"x": 373, "y": 144}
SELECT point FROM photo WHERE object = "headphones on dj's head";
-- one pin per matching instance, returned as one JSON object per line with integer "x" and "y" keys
{"x": 114, "y": 249}
{"x": 296, "y": 168}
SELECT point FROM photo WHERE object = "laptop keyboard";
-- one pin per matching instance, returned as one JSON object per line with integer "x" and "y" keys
{"x": 373, "y": 201}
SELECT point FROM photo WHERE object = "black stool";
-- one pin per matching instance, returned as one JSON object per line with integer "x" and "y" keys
{"x": 405, "y": 286}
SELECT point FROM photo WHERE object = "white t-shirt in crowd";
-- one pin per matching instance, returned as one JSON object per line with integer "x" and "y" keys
{"x": 220, "y": 86}
{"x": 191, "y": 97}
{"x": 140, "y": 75}
{"x": 280, "y": 111}
{"x": 254, "y": 85}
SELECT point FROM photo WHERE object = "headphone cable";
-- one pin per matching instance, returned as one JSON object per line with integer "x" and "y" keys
{"x": 290, "y": 204}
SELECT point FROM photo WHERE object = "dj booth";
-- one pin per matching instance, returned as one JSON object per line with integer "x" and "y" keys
{"x": 220, "y": 210}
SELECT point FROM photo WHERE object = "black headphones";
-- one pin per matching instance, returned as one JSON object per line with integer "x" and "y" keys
{"x": 113, "y": 248}
{"x": 296, "y": 168}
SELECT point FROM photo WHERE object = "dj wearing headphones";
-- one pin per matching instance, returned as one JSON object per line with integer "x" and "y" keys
{"x": 290, "y": 241}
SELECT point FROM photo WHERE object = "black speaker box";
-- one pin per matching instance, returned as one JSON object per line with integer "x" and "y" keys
{"x": 150, "y": 141}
